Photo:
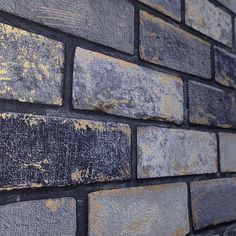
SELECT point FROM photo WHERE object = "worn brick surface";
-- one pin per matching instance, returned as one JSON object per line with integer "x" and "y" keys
{"x": 227, "y": 152}
{"x": 205, "y": 17}
{"x": 164, "y": 44}
{"x": 31, "y": 67}
{"x": 117, "y": 87}
{"x": 170, "y": 8}
{"x": 211, "y": 106}
{"x": 108, "y": 22}
{"x": 171, "y": 152}
{"x": 229, "y": 4}
{"x": 40, "y": 217}
{"x": 213, "y": 201}
{"x": 42, "y": 151}
{"x": 225, "y": 68}
{"x": 231, "y": 232}
{"x": 146, "y": 210}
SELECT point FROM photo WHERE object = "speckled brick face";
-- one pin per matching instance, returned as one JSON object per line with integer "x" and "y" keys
{"x": 40, "y": 217}
{"x": 139, "y": 211}
{"x": 213, "y": 202}
{"x": 172, "y": 152}
{"x": 210, "y": 20}
{"x": 117, "y": 87}
{"x": 211, "y": 106}
{"x": 31, "y": 67}
{"x": 164, "y": 44}
{"x": 40, "y": 151}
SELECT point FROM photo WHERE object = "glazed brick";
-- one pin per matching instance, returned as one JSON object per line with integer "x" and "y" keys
{"x": 211, "y": 106}
{"x": 227, "y": 152}
{"x": 39, "y": 151}
{"x": 108, "y": 22}
{"x": 210, "y": 20}
{"x": 139, "y": 211}
{"x": 172, "y": 152}
{"x": 40, "y": 217}
{"x": 213, "y": 202}
{"x": 225, "y": 68}
{"x": 170, "y": 8}
{"x": 118, "y": 87}
{"x": 166, "y": 45}
{"x": 31, "y": 67}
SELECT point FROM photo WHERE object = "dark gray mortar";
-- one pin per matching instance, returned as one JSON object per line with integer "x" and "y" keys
{"x": 31, "y": 67}
{"x": 170, "y": 8}
{"x": 211, "y": 106}
{"x": 229, "y": 4}
{"x": 117, "y": 87}
{"x": 225, "y": 68}
{"x": 42, "y": 217}
{"x": 108, "y": 22}
{"x": 164, "y": 44}
{"x": 213, "y": 202}
{"x": 40, "y": 151}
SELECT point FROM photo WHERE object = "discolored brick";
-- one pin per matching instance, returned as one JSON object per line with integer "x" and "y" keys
{"x": 139, "y": 211}
{"x": 40, "y": 217}
{"x": 213, "y": 202}
{"x": 31, "y": 67}
{"x": 207, "y": 18}
{"x": 117, "y": 87}
{"x": 171, "y": 152}
{"x": 166, "y": 45}
{"x": 39, "y": 151}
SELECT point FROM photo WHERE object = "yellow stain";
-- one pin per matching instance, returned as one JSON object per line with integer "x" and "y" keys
{"x": 3, "y": 72}
{"x": 4, "y": 79}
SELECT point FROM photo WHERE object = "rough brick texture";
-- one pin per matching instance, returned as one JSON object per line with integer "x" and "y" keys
{"x": 231, "y": 232}
{"x": 121, "y": 88}
{"x": 31, "y": 67}
{"x": 41, "y": 151}
{"x": 210, "y": 20}
{"x": 164, "y": 44}
{"x": 108, "y": 22}
{"x": 42, "y": 217}
{"x": 170, "y": 8}
{"x": 213, "y": 201}
{"x": 211, "y": 106}
{"x": 171, "y": 152}
{"x": 139, "y": 211}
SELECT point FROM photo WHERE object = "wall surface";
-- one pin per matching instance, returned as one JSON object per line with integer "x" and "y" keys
{"x": 117, "y": 117}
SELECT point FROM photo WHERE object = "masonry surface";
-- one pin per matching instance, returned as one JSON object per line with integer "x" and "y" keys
{"x": 118, "y": 117}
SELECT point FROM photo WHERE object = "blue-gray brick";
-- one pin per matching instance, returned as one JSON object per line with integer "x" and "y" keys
{"x": 229, "y": 4}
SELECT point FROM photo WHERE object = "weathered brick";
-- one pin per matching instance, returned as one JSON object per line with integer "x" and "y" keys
{"x": 211, "y": 106}
{"x": 213, "y": 202}
{"x": 164, "y": 44}
{"x": 210, "y": 20}
{"x": 229, "y": 4}
{"x": 170, "y": 8}
{"x": 171, "y": 152}
{"x": 139, "y": 211}
{"x": 117, "y": 87}
{"x": 44, "y": 151}
{"x": 31, "y": 67}
{"x": 227, "y": 152}
{"x": 108, "y": 22}
{"x": 231, "y": 232}
{"x": 40, "y": 217}
{"x": 225, "y": 68}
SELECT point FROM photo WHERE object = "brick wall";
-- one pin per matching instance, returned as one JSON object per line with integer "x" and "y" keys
{"x": 117, "y": 117}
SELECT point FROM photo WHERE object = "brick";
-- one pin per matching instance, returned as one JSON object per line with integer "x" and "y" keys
{"x": 39, "y": 151}
{"x": 210, "y": 20}
{"x": 117, "y": 87}
{"x": 229, "y": 4}
{"x": 108, "y": 22}
{"x": 139, "y": 211}
{"x": 40, "y": 217}
{"x": 211, "y": 106}
{"x": 213, "y": 202}
{"x": 170, "y": 8}
{"x": 31, "y": 67}
{"x": 166, "y": 45}
{"x": 231, "y": 232}
{"x": 227, "y": 152}
{"x": 225, "y": 68}
{"x": 171, "y": 152}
